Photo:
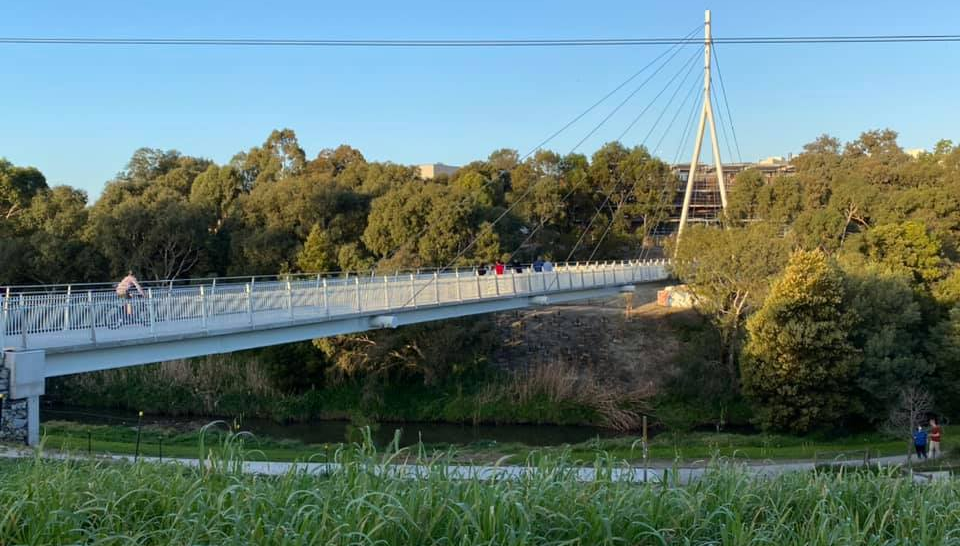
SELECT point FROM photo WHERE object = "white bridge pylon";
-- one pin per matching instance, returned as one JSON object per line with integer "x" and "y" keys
{"x": 706, "y": 115}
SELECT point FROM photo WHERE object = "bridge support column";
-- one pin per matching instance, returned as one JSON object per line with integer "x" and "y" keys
{"x": 22, "y": 382}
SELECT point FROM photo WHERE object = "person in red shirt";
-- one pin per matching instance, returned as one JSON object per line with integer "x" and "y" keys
{"x": 498, "y": 267}
{"x": 935, "y": 435}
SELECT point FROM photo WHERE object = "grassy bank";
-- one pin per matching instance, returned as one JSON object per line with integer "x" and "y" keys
{"x": 56, "y": 502}
{"x": 664, "y": 448}
{"x": 236, "y": 385}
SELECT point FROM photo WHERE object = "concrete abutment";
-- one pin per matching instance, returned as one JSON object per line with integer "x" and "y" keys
{"x": 22, "y": 383}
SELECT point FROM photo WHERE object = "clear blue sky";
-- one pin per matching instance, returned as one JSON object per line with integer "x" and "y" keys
{"x": 78, "y": 112}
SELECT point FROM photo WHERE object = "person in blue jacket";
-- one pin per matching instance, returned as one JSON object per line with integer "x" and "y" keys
{"x": 920, "y": 442}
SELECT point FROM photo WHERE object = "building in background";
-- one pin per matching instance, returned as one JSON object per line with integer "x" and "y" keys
{"x": 432, "y": 170}
{"x": 705, "y": 204}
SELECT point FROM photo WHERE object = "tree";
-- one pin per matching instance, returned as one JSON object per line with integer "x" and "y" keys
{"x": 905, "y": 247}
{"x": 913, "y": 408}
{"x": 729, "y": 273}
{"x": 18, "y": 186}
{"x": 743, "y": 200}
{"x": 799, "y": 366}
{"x": 318, "y": 253}
{"x": 158, "y": 234}
{"x": 889, "y": 332}
{"x": 279, "y": 156}
{"x": 217, "y": 189}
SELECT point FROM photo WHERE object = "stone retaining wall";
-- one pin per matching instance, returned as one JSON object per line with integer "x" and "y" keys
{"x": 13, "y": 413}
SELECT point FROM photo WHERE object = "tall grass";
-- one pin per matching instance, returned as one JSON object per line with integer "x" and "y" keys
{"x": 560, "y": 384}
{"x": 363, "y": 502}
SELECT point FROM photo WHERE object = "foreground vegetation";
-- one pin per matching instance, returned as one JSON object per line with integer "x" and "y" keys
{"x": 362, "y": 502}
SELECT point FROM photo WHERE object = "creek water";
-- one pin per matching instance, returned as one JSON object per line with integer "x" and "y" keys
{"x": 329, "y": 432}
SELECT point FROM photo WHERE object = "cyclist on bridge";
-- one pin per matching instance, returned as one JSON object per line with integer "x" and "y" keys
{"x": 124, "y": 293}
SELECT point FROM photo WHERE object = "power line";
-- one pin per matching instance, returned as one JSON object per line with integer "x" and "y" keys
{"x": 416, "y": 43}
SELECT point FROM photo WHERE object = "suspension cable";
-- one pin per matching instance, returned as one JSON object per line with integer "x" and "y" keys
{"x": 527, "y": 192}
{"x": 626, "y": 195}
{"x": 723, "y": 88}
{"x": 472, "y": 196}
{"x": 622, "y": 174}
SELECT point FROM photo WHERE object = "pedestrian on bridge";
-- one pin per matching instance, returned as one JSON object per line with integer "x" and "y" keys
{"x": 538, "y": 265}
{"x": 547, "y": 266}
{"x": 499, "y": 267}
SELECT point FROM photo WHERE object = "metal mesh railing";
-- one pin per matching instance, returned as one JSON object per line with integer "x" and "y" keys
{"x": 78, "y": 316}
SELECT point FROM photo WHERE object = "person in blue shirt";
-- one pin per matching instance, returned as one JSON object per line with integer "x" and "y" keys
{"x": 920, "y": 442}
{"x": 538, "y": 265}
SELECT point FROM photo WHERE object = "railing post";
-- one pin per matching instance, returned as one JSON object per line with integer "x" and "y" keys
{"x": 459, "y": 288}
{"x": 316, "y": 291}
{"x": 290, "y": 298}
{"x": 436, "y": 287}
{"x": 23, "y": 323}
{"x": 93, "y": 329}
{"x": 3, "y": 319}
{"x": 557, "y": 275}
{"x": 479, "y": 291}
{"x": 203, "y": 309}
{"x": 66, "y": 309}
{"x": 496, "y": 283}
{"x": 386, "y": 292}
{"x": 582, "y": 282}
{"x": 356, "y": 283}
{"x": 153, "y": 312}
{"x": 413, "y": 291}
{"x": 247, "y": 290}
{"x": 326, "y": 302}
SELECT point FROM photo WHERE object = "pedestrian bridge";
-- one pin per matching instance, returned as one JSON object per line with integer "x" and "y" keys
{"x": 49, "y": 331}
{"x": 81, "y": 329}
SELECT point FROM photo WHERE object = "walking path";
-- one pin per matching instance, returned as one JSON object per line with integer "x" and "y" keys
{"x": 656, "y": 473}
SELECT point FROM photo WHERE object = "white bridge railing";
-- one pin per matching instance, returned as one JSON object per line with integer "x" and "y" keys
{"x": 69, "y": 315}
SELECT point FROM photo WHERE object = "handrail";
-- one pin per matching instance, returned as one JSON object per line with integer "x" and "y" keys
{"x": 78, "y": 317}
{"x": 196, "y": 281}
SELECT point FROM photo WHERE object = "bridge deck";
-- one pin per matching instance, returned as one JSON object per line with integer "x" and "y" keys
{"x": 71, "y": 320}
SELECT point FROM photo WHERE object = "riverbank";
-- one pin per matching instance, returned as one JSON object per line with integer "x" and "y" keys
{"x": 664, "y": 448}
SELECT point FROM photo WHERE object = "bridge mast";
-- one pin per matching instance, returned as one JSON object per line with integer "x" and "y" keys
{"x": 706, "y": 114}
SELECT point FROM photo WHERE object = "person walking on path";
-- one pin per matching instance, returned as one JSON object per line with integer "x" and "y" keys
{"x": 547, "y": 266}
{"x": 935, "y": 435}
{"x": 538, "y": 265}
{"x": 498, "y": 267}
{"x": 920, "y": 442}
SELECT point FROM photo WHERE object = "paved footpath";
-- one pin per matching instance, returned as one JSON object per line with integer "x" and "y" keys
{"x": 656, "y": 474}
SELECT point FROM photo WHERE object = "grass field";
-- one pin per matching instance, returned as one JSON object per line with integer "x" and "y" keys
{"x": 56, "y": 502}
{"x": 668, "y": 448}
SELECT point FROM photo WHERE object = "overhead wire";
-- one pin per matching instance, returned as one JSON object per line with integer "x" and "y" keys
{"x": 425, "y": 43}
